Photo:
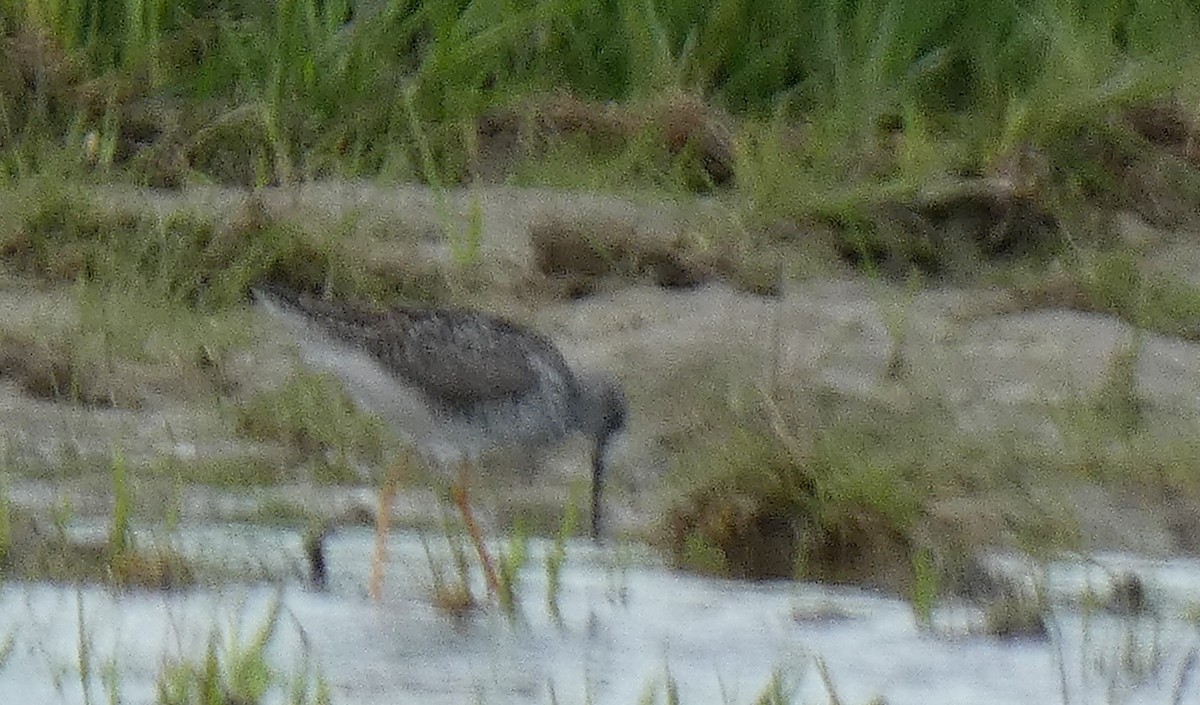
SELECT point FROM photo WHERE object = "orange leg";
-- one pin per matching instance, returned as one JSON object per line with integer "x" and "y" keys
{"x": 459, "y": 493}
{"x": 383, "y": 512}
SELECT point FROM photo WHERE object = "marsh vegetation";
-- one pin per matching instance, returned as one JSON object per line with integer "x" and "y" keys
{"x": 890, "y": 284}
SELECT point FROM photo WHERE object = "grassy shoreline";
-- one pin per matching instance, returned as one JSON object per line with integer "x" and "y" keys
{"x": 963, "y": 144}
{"x": 813, "y": 110}
{"x": 873, "y": 484}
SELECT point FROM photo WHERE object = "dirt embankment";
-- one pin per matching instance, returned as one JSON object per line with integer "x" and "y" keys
{"x": 787, "y": 417}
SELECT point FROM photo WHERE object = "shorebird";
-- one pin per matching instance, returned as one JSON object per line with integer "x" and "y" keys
{"x": 455, "y": 384}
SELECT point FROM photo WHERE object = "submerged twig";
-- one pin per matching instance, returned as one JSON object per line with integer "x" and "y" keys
{"x": 1186, "y": 669}
{"x": 827, "y": 681}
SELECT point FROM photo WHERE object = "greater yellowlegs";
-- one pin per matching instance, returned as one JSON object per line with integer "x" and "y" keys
{"x": 454, "y": 383}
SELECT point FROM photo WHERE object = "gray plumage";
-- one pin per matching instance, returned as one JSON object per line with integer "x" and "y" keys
{"x": 456, "y": 383}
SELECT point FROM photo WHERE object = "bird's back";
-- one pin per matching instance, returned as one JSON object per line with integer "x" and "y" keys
{"x": 480, "y": 380}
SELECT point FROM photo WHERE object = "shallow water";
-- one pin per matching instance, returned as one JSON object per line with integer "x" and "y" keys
{"x": 627, "y": 626}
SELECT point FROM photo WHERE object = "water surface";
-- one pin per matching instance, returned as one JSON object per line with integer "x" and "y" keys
{"x": 624, "y": 627}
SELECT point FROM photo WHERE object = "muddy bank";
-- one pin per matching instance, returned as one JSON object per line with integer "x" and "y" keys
{"x": 1076, "y": 424}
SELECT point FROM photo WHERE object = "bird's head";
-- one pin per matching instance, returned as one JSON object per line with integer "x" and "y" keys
{"x": 601, "y": 407}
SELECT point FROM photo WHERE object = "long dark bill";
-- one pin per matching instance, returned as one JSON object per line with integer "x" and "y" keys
{"x": 597, "y": 490}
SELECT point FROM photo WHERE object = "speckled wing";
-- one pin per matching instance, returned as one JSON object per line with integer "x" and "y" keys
{"x": 456, "y": 358}
{"x": 461, "y": 359}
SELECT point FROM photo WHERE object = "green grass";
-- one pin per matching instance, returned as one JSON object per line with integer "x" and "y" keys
{"x": 509, "y": 563}
{"x": 875, "y": 494}
{"x": 6, "y": 529}
{"x": 1114, "y": 284}
{"x": 120, "y": 540}
{"x": 639, "y": 166}
{"x": 235, "y": 669}
{"x": 853, "y": 500}
{"x": 868, "y": 120}
{"x": 780, "y": 689}
{"x": 204, "y": 264}
{"x": 31, "y": 552}
{"x": 854, "y": 92}
{"x": 182, "y": 260}
{"x": 115, "y": 347}
{"x": 848, "y": 116}
{"x": 312, "y": 414}
{"x": 556, "y": 557}
{"x": 1108, "y": 279}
